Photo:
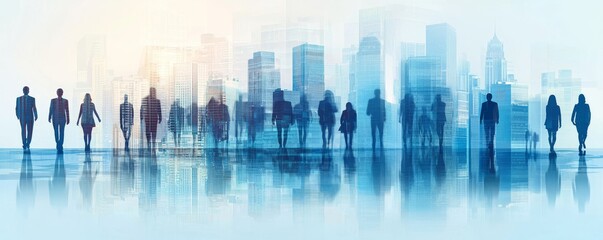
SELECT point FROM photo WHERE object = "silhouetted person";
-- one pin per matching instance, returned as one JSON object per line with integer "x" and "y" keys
{"x": 150, "y": 114}
{"x": 552, "y": 180}
{"x": 176, "y": 121}
{"x": 256, "y": 121}
{"x": 425, "y": 127}
{"x": 406, "y": 116}
{"x": 87, "y": 109}
{"x": 581, "y": 186}
{"x": 26, "y": 113}
{"x": 581, "y": 118}
{"x": 303, "y": 114}
{"x": 239, "y": 118}
{"x": 438, "y": 108}
{"x": 326, "y": 118}
{"x": 348, "y": 123}
{"x": 59, "y": 116}
{"x": 376, "y": 109}
{"x": 489, "y": 117}
{"x": 194, "y": 121}
{"x": 219, "y": 120}
{"x": 282, "y": 116}
{"x": 535, "y": 139}
{"x": 126, "y": 120}
{"x": 552, "y": 122}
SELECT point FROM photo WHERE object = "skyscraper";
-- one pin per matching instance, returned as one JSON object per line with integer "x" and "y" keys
{"x": 441, "y": 43}
{"x": 309, "y": 72}
{"x": 263, "y": 79}
{"x": 496, "y": 65}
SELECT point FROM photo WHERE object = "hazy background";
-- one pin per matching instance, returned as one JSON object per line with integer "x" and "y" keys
{"x": 38, "y": 42}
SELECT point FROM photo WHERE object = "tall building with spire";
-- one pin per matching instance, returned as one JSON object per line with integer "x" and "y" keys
{"x": 496, "y": 65}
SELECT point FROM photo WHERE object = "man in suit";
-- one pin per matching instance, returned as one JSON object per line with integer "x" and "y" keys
{"x": 489, "y": 117}
{"x": 376, "y": 109}
{"x": 59, "y": 117}
{"x": 150, "y": 113}
{"x": 26, "y": 113}
{"x": 126, "y": 120}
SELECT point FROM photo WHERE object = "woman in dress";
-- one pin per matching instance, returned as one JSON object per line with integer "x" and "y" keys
{"x": 87, "y": 109}
{"x": 348, "y": 124}
{"x": 552, "y": 121}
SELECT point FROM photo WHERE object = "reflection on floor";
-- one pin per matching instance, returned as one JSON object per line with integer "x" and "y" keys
{"x": 340, "y": 194}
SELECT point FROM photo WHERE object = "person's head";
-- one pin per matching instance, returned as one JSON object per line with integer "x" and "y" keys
{"x": 552, "y": 101}
{"x": 329, "y": 95}
{"x": 153, "y": 92}
{"x": 438, "y": 98}
{"x": 348, "y": 106}
{"x": 489, "y": 97}
{"x": 278, "y": 95}
{"x": 87, "y": 98}
{"x": 25, "y": 90}
{"x": 212, "y": 100}
{"x": 581, "y": 99}
{"x": 60, "y": 92}
{"x": 377, "y": 93}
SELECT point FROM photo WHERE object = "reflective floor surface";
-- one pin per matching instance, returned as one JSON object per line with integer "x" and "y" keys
{"x": 270, "y": 194}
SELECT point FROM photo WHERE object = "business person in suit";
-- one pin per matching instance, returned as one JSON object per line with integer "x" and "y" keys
{"x": 26, "y": 113}
{"x": 150, "y": 114}
{"x": 59, "y": 117}
{"x": 489, "y": 117}
{"x": 376, "y": 109}
{"x": 126, "y": 120}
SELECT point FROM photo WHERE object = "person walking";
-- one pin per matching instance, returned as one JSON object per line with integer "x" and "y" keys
{"x": 282, "y": 117}
{"x": 581, "y": 119}
{"x": 58, "y": 115}
{"x": 326, "y": 118}
{"x": 425, "y": 127}
{"x": 150, "y": 115}
{"x": 376, "y": 109}
{"x": 87, "y": 109}
{"x": 406, "y": 117}
{"x": 26, "y": 113}
{"x": 126, "y": 121}
{"x": 489, "y": 118}
{"x": 552, "y": 121}
{"x": 439, "y": 112}
{"x": 302, "y": 114}
{"x": 176, "y": 121}
{"x": 348, "y": 122}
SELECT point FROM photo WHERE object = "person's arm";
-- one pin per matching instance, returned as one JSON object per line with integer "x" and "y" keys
{"x": 368, "y": 108}
{"x": 51, "y": 111}
{"x": 121, "y": 117}
{"x": 574, "y": 115}
{"x": 559, "y": 115}
{"x": 67, "y": 110}
{"x": 159, "y": 111}
{"x": 35, "y": 110}
{"x": 131, "y": 114}
{"x": 496, "y": 116}
{"x": 383, "y": 109}
{"x": 96, "y": 113}
{"x": 400, "y": 111}
{"x": 341, "y": 120}
{"x": 17, "y": 107}
{"x": 77, "y": 123}
{"x": 587, "y": 115}
{"x": 481, "y": 114}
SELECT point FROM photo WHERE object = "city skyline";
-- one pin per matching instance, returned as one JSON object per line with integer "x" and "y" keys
{"x": 116, "y": 70}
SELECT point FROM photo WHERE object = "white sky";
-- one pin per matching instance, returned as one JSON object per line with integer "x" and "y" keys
{"x": 38, "y": 39}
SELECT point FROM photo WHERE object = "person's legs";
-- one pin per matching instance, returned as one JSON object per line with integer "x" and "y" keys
{"x": 345, "y": 136}
{"x": 29, "y": 127}
{"x": 55, "y": 126}
{"x": 148, "y": 135}
{"x": 373, "y": 129}
{"x": 330, "y": 140}
{"x": 279, "y": 133}
{"x": 553, "y": 140}
{"x": 404, "y": 134}
{"x": 323, "y": 130}
{"x": 23, "y": 134}
{"x": 351, "y": 136}
{"x": 380, "y": 126}
{"x": 61, "y": 135}
{"x": 286, "y": 133}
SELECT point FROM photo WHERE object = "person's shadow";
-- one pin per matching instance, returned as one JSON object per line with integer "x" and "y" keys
{"x": 87, "y": 181}
{"x": 57, "y": 186}
{"x": 552, "y": 180}
{"x": 581, "y": 187}
{"x": 26, "y": 191}
{"x": 491, "y": 179}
